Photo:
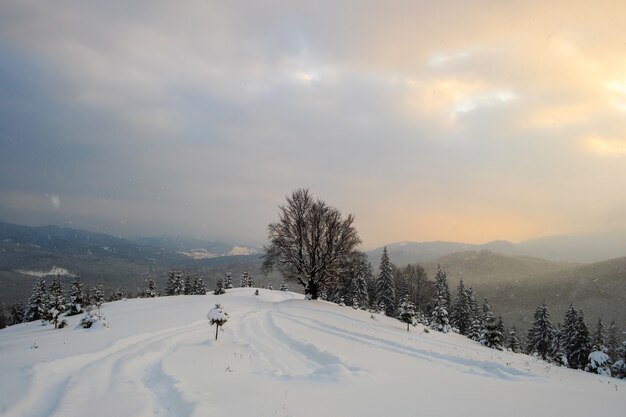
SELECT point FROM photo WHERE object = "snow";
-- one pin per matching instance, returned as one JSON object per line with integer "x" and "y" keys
{"x": 216, "y": 314}
{"x": 278, "y": 355}
{"x": 55, "y": 270}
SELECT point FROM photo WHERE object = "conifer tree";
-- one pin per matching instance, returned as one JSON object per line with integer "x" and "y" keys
{"x": 250, "y": 281}
{"x": 513, "y": 343}
{"x": 576, "y": 343}
{"x": 199, "y": 287}
{"x": 406, "y": 312}
{"x": 385, "y": 286}
{"x": 188, "y": 288}
{"x": 175, "y": 283}
{"x": 619, "y": 367}
{"x": 361, "y": 295}
{"x": 97, "y": 296}
{"x": 244, "y": 279}
{"x": 442, "y": 288}
{"x": 57, "y": 297}
{"x": 557, "y": 354}
{"x": 476, "y": 322}
{"x": 219, "y": 287}
{"x": 492, "y": 334}
{"x": 539, "y": 339}
{"x": 283, "y": 286}
{"x": 16, "y": 314}
{"x": 461, "y": 314}
{"x": 118, "y": 294}
{"x": 229, "y": 281}
{"x": 37, "y": 307}
{"x": 598, "y": 341}
{"x": 150, "y": 290}
{"x": 612, "y": 342}
{"x": 77, "y": 297}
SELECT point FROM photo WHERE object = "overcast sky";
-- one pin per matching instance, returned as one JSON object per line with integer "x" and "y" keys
{"x": 465, "y": 121}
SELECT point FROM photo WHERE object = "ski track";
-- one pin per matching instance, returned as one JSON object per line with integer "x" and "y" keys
{"x": 474, "y": 366}
{"x": 286, "y": 357}
{"x": 128, "y": 372}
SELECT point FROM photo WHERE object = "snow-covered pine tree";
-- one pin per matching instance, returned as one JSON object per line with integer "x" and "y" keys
{"x": 76, "y": 297}
{"x": 97, "y": 296}
{"x": 539, "y": 339}
{"x": 150, "y": 290}
{"x": 441, "y": 303}
{"x": 385, "y": 286}
{"x": 56, "y": 302}
{"x": 37, "y": 306}
{"x": 188, "y": 288}
{"x": 199, "y": 287}
{"x": 118, "y": 294}
{"x": 283, "y": 286}
{"x": 598, "y": 363}
{"x": 476, "y": 321}
{"x": 442, "y": 288}
{"x": 406, "y": 312}
{"x": 361, "y": 295}
{"x": 16, "y": 314}
{"x": 270, "y": 287}
{"x": 612, "y": 342}
{"x": 576, "y": 344}
{"x": 229, "y": 281}
{"x": 175, "y": 283}
{"x": 244, "y": 279}
{"x": 513, "y": 343}
{"x": 556, "y": 354}
{"x": 250, "y": 281}
{"x": 461, "y": 314}
{"x": 219, "y": 287}
{"x": 598, "y": 340}
{"x": 492, "y": 335}
{"x": 619, "y": 367}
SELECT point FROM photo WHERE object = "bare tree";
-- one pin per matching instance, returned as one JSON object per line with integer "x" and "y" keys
{"x": 311, "y": 244}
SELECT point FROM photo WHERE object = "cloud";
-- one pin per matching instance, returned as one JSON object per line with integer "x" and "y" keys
{"x": 418, "y": 117}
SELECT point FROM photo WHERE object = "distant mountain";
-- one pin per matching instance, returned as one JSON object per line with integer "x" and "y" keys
{"x": 27, "y": 253}
{"x": 580, "y": 248}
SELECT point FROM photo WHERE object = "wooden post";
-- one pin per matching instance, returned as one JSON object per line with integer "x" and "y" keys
{"x": 217, "y": 327}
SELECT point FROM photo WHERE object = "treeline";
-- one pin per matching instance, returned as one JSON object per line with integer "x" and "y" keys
{"x": 407, "y": 294}
{"x": 50, "y": 303}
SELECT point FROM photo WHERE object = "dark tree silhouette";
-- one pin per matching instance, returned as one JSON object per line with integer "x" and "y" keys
{"x": 311, "y": 244}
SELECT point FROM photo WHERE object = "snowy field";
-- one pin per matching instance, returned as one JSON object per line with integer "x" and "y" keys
{"x": 278, "y": 355}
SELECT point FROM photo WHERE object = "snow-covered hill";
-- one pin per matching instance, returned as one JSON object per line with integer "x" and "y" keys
{"x": 278, "y": 355}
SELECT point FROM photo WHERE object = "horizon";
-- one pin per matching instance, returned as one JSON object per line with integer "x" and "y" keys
{"x": 448, "y": 121}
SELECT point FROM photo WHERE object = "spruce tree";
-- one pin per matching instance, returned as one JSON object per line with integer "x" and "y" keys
{"x": 57, "y": 297}
{"x": 175, "y": 283}
{"x": 442, "y": 288}
{"x": 361, "y": 295}
{"x": 539, "y": 339}
{"x": 476, "y": 322}
{"x": 250, "y": 281}
{"x": 513, "y": 343}
{"x": 76, "y": 297}
{"x": 219, "y": 287}
{"x": 150, "y": 290}
{"x": 37, "y": 307}
{"x": 229, "y": 281}
{"x": 199, "y": 288}
{"x": 493, "y": 332}
{"x": 612, "y": 342}
{"x": 16, "y": 314}
{"x": 619, "y": 367}
{"x": 244, "y": 279}
{"x": 188, "y": 288}
{"x": 283, "y": 286}
{"x": 461, "y": 314}
{"x": 576, "y": 342}
{"x": 97, "y": 296}
{"x": 598, "y": 341}
{"x": 406, "y": 312}
{"x": 557, "y": 354}
{"x": 385, "y": 286}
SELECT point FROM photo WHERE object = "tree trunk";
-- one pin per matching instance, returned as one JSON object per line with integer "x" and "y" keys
{"x": 312, "y": 289}
{"x": 407, "y": 326}
{"x": 217, "y": 327}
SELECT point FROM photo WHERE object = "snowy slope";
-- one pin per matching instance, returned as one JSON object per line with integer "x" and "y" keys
{"x": 278, "y": 355}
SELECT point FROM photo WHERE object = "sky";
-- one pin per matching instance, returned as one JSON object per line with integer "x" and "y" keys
{"x": 450, "y": 120}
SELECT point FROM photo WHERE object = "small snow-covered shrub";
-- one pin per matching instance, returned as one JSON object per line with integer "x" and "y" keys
{"x": 218, "y": 317}
{"x": 93, "y": 320}
{"x": 599, "y": 363}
